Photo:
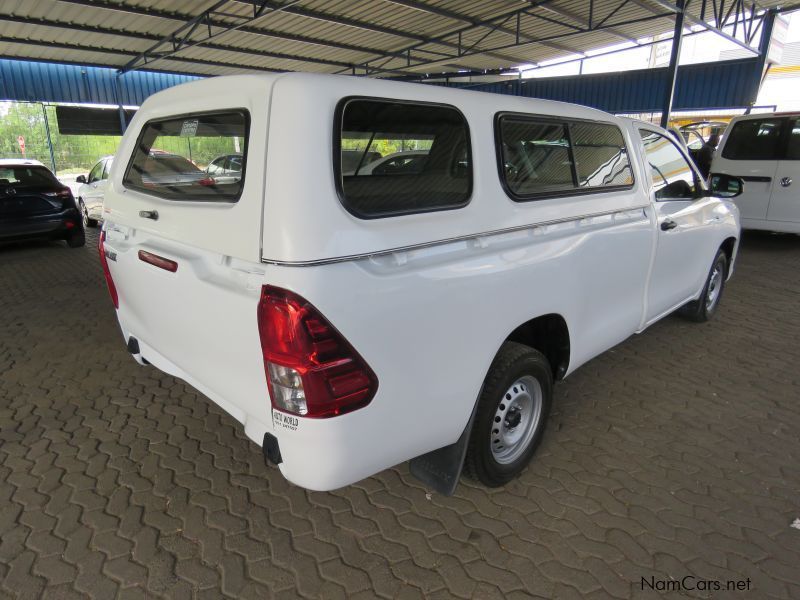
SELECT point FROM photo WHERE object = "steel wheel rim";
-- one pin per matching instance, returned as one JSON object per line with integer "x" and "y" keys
{"x": 714, "y": 287}
{"x": 85, "y": 215}
{"x": 516, "y": 420}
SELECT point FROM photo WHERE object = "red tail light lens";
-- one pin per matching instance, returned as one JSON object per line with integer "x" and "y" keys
{"x": 311, "y": 369}
{"x": 112, "y": 289}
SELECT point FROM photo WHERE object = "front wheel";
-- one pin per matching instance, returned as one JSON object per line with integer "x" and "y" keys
{"x": 705, "y": 307}
{"x": 87, "y": 222}
{"x": 511, "y": 416}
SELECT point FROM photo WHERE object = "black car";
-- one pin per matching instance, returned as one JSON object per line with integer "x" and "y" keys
{"x": 35, "y": 205}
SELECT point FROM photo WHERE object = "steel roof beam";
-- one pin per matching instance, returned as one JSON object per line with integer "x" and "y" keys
{"x": 578, "y": 19}
{"x": 695, "y": 21}
{"x": 259, "y": 31}
{"x": 495, "y": 21}
{"x": 184, "y": 36}
{"x": 128, "y": 54}
{"x": 327, "y": 17}
{"x": 537, "y": 41}
{"x": 154, "y": 38}
{"x": 456, "y": 16}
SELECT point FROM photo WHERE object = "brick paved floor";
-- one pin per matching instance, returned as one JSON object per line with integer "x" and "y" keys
{"x": 677, "y": 453}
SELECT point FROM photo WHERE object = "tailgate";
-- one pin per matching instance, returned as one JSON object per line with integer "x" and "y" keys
{"x": 183, "y": 248}
{"x": 198, "y": 322}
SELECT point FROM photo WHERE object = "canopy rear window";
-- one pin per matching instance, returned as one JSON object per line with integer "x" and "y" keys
{"x": 173, "y": 157}
{"x": 394, "y": 158}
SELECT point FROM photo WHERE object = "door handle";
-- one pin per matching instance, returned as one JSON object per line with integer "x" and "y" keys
{"x": 149, "y": 214}
{"x": 786, "y": 181}
{"x": 668, "y": 224}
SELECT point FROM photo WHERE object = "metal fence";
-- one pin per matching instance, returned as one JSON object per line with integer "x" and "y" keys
{"x": 30, "y": 130}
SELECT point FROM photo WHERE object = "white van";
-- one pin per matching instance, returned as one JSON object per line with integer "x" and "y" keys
{"x": 764, "y": 151}
{"x": 351, "y": 322}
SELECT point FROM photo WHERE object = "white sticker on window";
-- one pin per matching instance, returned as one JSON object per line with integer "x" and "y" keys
{"x": 189, "y": 128}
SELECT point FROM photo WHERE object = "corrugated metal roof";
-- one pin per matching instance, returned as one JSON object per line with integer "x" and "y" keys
{"x": 390, "y": 36}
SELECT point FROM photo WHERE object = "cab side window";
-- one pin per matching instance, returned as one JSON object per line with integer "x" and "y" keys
{"x": 96, "y": 173}
{"x": 107, "y": 168}
{"x": 672, "y": 175}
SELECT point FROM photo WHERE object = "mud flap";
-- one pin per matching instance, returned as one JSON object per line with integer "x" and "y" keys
{"x": 440, "y": 469}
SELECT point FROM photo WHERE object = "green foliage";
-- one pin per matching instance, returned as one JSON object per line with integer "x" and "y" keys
{"x": 72, "y": 153}
{"x": 200, "y": 149}
{"x": 76, "y": 154}
{"x": 385, "y": 145}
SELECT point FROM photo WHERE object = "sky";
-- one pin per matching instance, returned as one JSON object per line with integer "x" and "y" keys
{"x": 782, "y": 91}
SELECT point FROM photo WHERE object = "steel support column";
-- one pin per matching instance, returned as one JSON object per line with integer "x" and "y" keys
{"x": 674, "y": 58}
{"x": 123, "y": 125}
{"x": 762, "y": 68}
{"x": 49, "y": 138}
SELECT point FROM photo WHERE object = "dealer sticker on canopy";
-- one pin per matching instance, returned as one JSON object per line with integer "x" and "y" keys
{"x": 189, "y": 128}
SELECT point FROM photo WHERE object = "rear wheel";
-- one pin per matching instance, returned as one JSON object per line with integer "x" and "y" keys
{"x": 705, "y": 307}
{"x": 511, "y": 416}
{"x": 77, "y": 239}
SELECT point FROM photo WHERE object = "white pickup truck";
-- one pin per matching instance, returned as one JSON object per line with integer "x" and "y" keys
{"x": 353, "y": 321}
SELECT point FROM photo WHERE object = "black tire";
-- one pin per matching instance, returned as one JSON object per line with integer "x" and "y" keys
{"x": 703, "y": 309}
{"x": 513, "y": 363}
{"x": 77, "y": 239}
{"x": 87, "y": 222}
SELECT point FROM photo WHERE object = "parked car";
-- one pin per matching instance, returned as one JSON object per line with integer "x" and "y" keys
{"x": 164, "y": 169}
{"x": 764, "y": 150}
{"x": 35, "y": 205}
{"x": 351, "y": 159}
{"x": 92, "y": 191}
{"x": 397, "y": 163}
{"x": 678, "y": 137}
{"x": 226, "y": 168}
{"x": 697, "y": 134}
{"x": 353, "y": 322}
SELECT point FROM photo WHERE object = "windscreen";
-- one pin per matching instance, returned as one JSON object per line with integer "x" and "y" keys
{"x": 176, "y": 158}
{"x": 27, "y": 176}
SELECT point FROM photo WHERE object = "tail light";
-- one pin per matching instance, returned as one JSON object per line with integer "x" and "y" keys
{"x": 311, "y": 369}
{"x": 112, "y": 289}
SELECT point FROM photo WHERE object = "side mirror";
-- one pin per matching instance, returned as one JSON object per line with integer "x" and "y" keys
{"x": 80, "y": 179}
{"x": 725, "y": 186}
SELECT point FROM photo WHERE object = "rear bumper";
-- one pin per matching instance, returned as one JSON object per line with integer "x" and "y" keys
{"x": 316, "y": 454}
{"x": 50, "y": 226}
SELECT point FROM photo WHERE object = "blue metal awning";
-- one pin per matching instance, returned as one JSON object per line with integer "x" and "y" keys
{"x": 50, "y": 82}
